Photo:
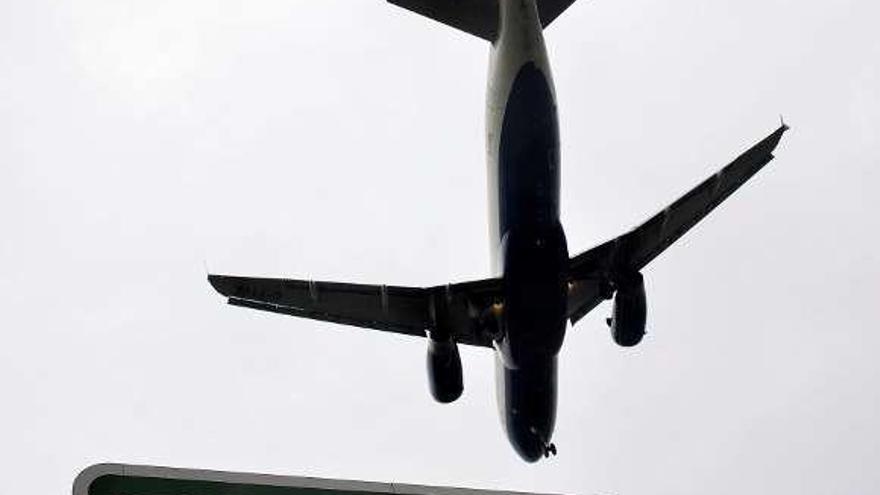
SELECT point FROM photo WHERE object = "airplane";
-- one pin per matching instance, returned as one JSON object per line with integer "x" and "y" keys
{"x": 536, "y": 290}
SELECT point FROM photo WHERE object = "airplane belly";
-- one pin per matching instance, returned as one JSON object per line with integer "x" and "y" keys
{"x": 535, "y": 294}
{"x": 528, "y": 155}
{"x": 527, "y": 403}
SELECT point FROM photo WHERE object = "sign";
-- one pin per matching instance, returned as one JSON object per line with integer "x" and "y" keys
{"x": 125, "y": 479}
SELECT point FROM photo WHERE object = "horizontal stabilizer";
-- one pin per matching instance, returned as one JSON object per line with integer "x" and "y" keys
{"x": 477, "y": 17}
{"x": 549, "y": 10}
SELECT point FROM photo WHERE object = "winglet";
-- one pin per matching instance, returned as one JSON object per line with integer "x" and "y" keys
{"x": 782, "y": 124}
{"x": 220, "y": 284}
{"x": 768, "y": 144}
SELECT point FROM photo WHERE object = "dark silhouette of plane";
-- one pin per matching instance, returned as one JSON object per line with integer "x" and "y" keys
{"x": 537, "y": 289}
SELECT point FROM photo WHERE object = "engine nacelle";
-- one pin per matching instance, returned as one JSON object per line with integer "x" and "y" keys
{"x": 627, "y": 320}
{"x": 444, "y": 370}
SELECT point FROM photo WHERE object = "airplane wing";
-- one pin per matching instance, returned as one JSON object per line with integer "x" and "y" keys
{"x": 592, "y": 272}
{"x": 404, "y": 310}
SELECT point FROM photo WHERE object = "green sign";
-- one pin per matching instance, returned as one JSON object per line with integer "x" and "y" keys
{"x": 125, "y": 479}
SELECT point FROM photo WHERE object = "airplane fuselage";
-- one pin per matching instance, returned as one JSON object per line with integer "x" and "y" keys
{"x": 529, "y": 249}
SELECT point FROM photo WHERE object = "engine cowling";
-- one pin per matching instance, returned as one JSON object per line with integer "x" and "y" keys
{"x": 630, "y": 311}
{"x": 444, "y": 370}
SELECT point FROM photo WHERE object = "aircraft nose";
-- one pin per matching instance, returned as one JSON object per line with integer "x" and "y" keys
{"x": 528, "y": 408}
{"x": 527, "y": 444}
{"x": 529, "y": 451}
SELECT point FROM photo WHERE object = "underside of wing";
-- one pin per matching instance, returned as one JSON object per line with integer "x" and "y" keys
{"x": 406, "y": 310}
{"x": 593, "y": 272}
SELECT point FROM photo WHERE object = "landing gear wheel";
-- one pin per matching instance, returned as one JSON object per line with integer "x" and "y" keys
{"x": 549, "y": 449}
{"x": 553, "y": 448}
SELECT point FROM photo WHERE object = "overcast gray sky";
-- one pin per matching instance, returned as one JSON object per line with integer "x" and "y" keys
{"x": 343, "y": 140}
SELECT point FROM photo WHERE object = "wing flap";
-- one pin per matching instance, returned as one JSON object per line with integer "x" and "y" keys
{"x": 404, "y": 310}
{"x": 400, "y": 309}
{"x": 328, "y": 317}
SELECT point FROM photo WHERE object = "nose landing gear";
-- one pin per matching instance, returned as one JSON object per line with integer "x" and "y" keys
{"x": 549, "y": 448}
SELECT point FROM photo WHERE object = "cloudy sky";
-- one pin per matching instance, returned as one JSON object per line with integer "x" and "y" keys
{"x": 143, "y": 140}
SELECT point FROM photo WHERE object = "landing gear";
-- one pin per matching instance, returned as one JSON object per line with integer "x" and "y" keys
{"x": 549, "y": 448}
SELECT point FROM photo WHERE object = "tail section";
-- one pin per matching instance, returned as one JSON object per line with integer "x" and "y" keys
{"x": 477, "y": 17}
{"x": 549, "y": 10}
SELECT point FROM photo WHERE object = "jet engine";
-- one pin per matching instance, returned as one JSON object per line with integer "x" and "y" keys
{"x": 627, "y": 320}
{"x": 444, "y": 370}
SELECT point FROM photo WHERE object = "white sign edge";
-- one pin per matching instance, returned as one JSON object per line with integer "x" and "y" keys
{"x": 88, "y": 475}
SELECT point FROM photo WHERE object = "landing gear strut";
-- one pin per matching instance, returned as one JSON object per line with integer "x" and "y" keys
{"x": 549, "y": 447}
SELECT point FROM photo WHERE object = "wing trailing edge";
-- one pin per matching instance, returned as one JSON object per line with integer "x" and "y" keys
{"x": 454, "y": 308}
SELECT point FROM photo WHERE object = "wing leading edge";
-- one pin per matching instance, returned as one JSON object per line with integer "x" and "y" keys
{"x": 454, "y": 308}
{"x": 591, "y": 271}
